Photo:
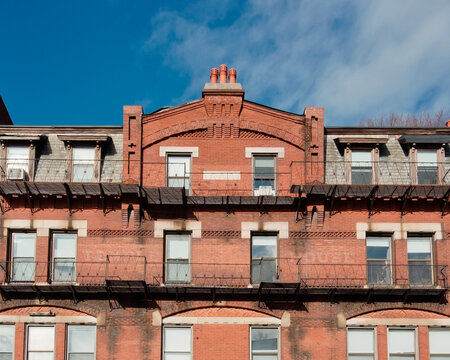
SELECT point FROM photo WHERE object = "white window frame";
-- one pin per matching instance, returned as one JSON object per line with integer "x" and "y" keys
{"x": 67, "y": 260}
{"x": 11, "y": 328}
{"x": 27, "y": 339}
{"x": 257, "y": 191}
{"x": 83, "y": 162}
{"x": 430, "y": 237}
{"x": 31, "y": 265}
{"x": 436, "y": 329}
{"x": 428, "y": 164}
{"x": 374, "y": 335}
{"x": 265, "y": 352}
{"x": 169, "y": 261}
{"x": 190, "y": 327}
{"x": 275, "y": 259}
{"x": 68, "y": 340}
{"x": 188, "y": 175}
{"x": 352, "y": 167}
{"x": 403, "y": 354}
{"x": 390, "y": 260}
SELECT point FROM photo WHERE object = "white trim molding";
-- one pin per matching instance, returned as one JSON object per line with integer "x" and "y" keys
{"x": 83, "y": 319}
{"x": 178, "y": 225}
{"x": 279, "y": 151}
{"x": 193, "y": 150}
{"x": 214, "y": 320}
{"x": 399, "y": 230}
{"x": 282, "y": 228}
{"x": 397, "y": 322}
{"x": 221, "y": 175}
{"x": 43, "y": 227}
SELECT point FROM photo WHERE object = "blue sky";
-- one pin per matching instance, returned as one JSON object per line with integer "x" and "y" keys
{"x": 79, "y": 62}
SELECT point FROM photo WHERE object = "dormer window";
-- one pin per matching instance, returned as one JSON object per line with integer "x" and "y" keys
{"x": 83, "y": 162}
{"x": 361, "y": 167}
{"x": 17, "y": 162}
{"x": 427, "y": 166}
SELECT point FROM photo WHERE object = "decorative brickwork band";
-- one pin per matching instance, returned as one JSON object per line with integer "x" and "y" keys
{"x": 221, "y": 234}
{"x": 119, "y": 233}
{"x": 322, "y": 234}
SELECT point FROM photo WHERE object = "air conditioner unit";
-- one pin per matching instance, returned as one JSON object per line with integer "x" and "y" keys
{"x": 17, "y": 174}
{"x": 264, "y": 191}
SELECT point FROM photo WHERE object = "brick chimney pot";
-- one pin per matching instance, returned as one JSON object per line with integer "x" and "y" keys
{"x": 223, "y": 73}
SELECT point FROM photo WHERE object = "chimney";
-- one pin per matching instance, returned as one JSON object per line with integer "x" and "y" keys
{"x": 447, "y": 124}
{"x": 213, "y": 75}
{"x": 223, "y": 73}
{"x": 232, "y": 75}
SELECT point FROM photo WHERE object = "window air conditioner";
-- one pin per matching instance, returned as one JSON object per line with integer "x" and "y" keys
{"x": 264, "y": 190}
{"x": 17, "y": 174}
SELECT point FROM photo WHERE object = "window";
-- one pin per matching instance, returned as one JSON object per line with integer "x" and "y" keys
{"x": 378, "y": 260}
{"x": 264, "y": 175}
{"x": 360, "y": 344}
{"x": 361, "y": 167}
{"x": 439, "y": 344}
{"x": 23, "y": 256}
{"x": 402, "y": 344}
{"x": 178, "y": 249}
{"x": 81, "y": 342}
{"x": 427, "y": 166}
{"x": 40, "y": 342}
{"x": 419, "y": 260}
{"x": 177, "y": 343}
{"x": 7, "y": 342}
{"x": 264, "y": 343}
{"x": 17, "y": 162}
{"x": 178, "y": 170}
{"x": 83, "y": 159}
{"x": 264, "y": 258}
{"x": 64, "y": 257}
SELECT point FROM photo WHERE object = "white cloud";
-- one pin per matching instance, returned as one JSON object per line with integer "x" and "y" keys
{"x": 355, "y": 58}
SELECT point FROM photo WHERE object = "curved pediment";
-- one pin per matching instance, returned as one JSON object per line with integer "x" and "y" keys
{"x": 400, "y": 317}
{"x": 45, "y": 314}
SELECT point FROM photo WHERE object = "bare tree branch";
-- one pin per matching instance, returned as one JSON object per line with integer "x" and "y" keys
{"x": 423, "y": 119}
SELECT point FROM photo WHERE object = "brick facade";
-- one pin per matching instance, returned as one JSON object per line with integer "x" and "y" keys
{"x": 312, "y": 287}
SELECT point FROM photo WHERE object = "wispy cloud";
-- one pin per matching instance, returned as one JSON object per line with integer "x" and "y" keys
{"x": 355, "y": 58}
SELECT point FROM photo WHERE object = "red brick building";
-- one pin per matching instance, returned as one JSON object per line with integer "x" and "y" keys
{"x": 224, "y": 229}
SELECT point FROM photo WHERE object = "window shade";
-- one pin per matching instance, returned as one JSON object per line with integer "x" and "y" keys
{"x": 439, "y": 341}
{"x": 401, "y": 341}
{"x": 427, "y": 156}
{"x": 360, "y": 341}
{"x": 177, "y": 339}
{"x": 419, "y": 245}
{"x": 177, "y": 247}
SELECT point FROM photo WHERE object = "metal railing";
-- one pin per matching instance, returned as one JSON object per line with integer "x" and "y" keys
{"x": 239, "y": 275}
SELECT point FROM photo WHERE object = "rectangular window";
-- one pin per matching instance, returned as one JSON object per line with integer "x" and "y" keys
{"x": 178, "y": 249}
{"x": 264, "y": 258}
{"x": 64, "y": 257}
{"x": 177, "y": 343}
{"x": 17, "y": 162}
{"x": 264, "y": 175}
{"x": 361, "y": 167}
{"x": 179, "y": 170}
{"x": 81, "y": 342}
{"x": 427, "y": 166}
{"x": 23, "y": 256}
{"x": 83, "y": 159}
{"x": 419, "y": 260}
{"x": 264, "y": 343}
{"x": 40, "y": 342}
{"x": 7, "y": 342}
{"x": 402, "y": 344}
{"x": 439, "y": 344}
{"x": 360, "y": 344}
{"x": 378, "y": 252}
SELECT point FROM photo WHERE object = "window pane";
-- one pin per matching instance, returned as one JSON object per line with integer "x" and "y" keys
{"x": 264, "y": 167}
{"x": 264, "y": 339}
{"x": 361, "y": 175}
{"x": 5, "y": 356}
{"x": 419, "y": 248}
{"x": 40, "y": 356}
{"x": 177, "y": 339}
{"x": 378, "y": 248}
{"x": 426, "y": 157}
{"x": 23, "y": 269}
{"x": 439, "y": 341}
{"x": 265, "y": 357}
{"x": 82, "y": 172}
{"x": 401, "y": 357}
{"x": 361, "y": 158}
{"x": 419, "y": 272}
{"x": 65, "y": 245}
{"x": 401, "y": 341}
{"x": 83, "y": 155}
{"x": 360, "y": 357}
{"x": 178, "y": 270}
{"x": 263, "y": 270}
{"x": 378, "y": 272}
{"x": 264, "y": 246}
{"x": 360, "y": 341}
{"x": 24, "y": 245}
{"x": 41, "y": 338}
{"x": 179, "y": 165}
{"x": 183, "y": 356}
{"x": 7, "y": 338}
{"x": 177, "y": 247}
{"x": 81, "y": 357}
{"x": 82, "y": 339}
